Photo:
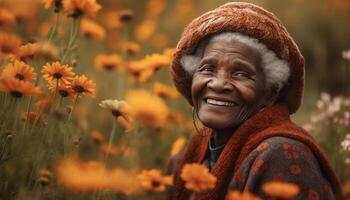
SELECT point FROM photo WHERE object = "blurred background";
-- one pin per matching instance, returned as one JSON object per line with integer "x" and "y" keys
{"x": 133, "y": 30}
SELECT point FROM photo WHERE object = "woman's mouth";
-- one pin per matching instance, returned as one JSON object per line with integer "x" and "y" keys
{"x": 216, "y": 102}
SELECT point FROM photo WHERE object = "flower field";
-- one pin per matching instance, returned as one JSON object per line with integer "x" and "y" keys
{"x": 88, "y": 109}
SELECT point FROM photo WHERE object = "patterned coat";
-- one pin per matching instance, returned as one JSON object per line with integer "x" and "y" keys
{"x": 266, "y": 147}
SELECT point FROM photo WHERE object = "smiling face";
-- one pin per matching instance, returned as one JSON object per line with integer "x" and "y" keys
{"x": 229, "y": 85}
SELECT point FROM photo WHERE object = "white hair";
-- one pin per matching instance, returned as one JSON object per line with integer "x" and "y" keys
{"x": 276, "y": 70}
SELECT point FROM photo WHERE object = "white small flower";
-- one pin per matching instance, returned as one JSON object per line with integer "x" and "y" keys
{"x": 346, "y": 55}
{"x": 118, "y": 108}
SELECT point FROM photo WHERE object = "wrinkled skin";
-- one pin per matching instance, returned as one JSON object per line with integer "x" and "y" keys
{"x": 230, "y": 74}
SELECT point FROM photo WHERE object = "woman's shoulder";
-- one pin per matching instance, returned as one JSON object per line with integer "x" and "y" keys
{"x": 284, "y": 159}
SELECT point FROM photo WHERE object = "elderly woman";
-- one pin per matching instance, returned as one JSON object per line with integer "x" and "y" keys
{"x": 243, "y": 74}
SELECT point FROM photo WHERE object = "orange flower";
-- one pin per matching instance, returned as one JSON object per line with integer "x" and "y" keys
{"x": 92, "y": 176}
{"x": 169, "y": 52}
{"x": 18, "y": 88}
{"x": 46, "y": 50}
{"x": 197, "y": 177}
{"x": 109, "y": 149}
{"x": 64, "y": 90}
{"x": 19, "y": 70}
{"x": 280, "y": 189}
{"x": 236, "y": 195}
{"x": 108, "y": 62}
{"x": 174, "y": 117}
{"x": 97, "y": 137}
{"x": 57, "y": 73}
{"x": 155, "y": 8}
{"x": 26, "y": 52}
{"x": 44, "y": 104}
{"x": 9, "y": 43}
{"x": 156, "y": 61}
{"x": 91, "y": 29}
{"x": 140, "y": 73}
{"x": 145, "y": 30}
{"x": 31, "y": 117}
{"x": 81, "y": 85}
{"x": 153, "y": 180}
{"x": 177, "y": 146}
{"x": 164, "y": 90}
{"x": 81, "y": 7}
{"x": 150, "y": 110}
{"x": 142, "y": 70}
{"x": 125, "y": 15}
{"x": 7, "y": 18}
{"x": 131, "y": 48}
{"x": 56, "y": 3}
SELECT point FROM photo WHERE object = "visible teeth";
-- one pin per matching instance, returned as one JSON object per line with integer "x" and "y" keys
{"x": 219, "y": 103}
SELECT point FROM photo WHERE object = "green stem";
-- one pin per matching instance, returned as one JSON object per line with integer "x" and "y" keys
{"x": 71, "y": 111}
{"x": 54, "y": 28}
{"x": 111, "y": 137}
{"x": 27, "y": 112}
{"x": 72, "y": 38}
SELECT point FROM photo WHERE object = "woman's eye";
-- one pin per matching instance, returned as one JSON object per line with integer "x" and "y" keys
{"x": 242, "y": 74}
{"x": 206, "y": 68}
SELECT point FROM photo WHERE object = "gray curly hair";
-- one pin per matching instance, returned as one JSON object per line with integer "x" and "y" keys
{"x": 277, "y": 71}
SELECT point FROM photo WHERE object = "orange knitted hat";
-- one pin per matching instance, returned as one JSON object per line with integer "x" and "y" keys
{"x": 252, "y": 21}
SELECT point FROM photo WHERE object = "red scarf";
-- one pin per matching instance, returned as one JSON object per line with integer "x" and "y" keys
{"x": 272, "y": 121}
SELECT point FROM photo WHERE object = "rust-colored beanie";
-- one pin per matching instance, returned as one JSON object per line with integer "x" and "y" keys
{"x": 252, "y": 21}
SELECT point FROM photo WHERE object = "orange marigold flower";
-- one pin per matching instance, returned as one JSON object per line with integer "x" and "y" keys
{"x": 155, "y": 8}
{"x": 31, "y": 117}
{"x": 97, "y": 137}
{"x": 125, "y": 15}
{"x": 81, "y": 85}
{"x": 19, "y": 88}
{"x": 131, "y": 48}
{"x": 91, "y": 29}
{"x": 145, "y": 30}
{"x": 197, "y": 177}
{"x": 44, "y": 104}
{"x": 46, "y": 50}
{"x": 169, "y": 52}
{"x": 26, "y": 52}
{"x": 156, "y": 61}
{"x": 56, "y": 3}
{"x": 149, "y": 109}
{"x": 175, "y": 117}
{"x": 63, "y": 89}
{"x": 108, "y": 62}
{"x": 281, "y": 189}
{"x": 9, "y": 43}
{"x": 139, "y": 71}
{"x": 19, "y": 70}
{"x": 7, "y": 18}
{"x": 109, "y": 149}
{"x": 92, "y": 176}
{"x": 81, "y": 7}
{"x": 236, "y": 195}
{"x": 153, "y": 180}
{"x": 177, "y": 146}
{"x": 164, "y": 90}
{"x": 57, "y": 73}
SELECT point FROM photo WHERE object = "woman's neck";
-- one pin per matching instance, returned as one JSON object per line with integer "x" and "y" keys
{"x": 220, "y": 137}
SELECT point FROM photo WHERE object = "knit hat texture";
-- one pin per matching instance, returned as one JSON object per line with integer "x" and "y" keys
{"x": 250, "y": 20}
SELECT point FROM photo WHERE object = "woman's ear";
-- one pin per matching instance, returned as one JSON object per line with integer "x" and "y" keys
{"x": 271, "y": 95}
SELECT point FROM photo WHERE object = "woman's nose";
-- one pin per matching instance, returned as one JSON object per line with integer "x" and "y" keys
{"x": 220, "y": 84}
